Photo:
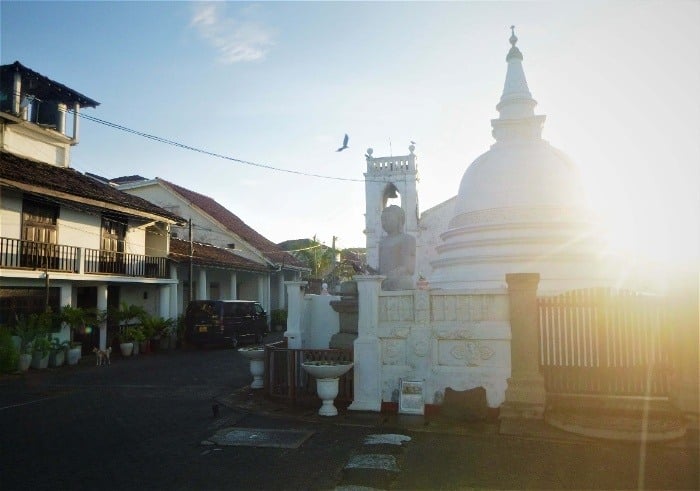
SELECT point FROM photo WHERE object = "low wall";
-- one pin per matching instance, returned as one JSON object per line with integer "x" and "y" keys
{"x": 457, "y": 339}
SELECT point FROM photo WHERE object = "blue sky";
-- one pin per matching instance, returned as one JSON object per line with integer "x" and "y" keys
{"x": 279, "y": 83}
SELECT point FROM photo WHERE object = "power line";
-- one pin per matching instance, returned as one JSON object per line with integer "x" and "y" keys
{"x": 212, "y": 154}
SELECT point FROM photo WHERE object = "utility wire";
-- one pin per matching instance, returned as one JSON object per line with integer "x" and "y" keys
{"x": 207, "y": 152}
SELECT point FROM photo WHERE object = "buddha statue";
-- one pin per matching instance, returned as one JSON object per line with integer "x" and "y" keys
{"x": 397, "y": 251}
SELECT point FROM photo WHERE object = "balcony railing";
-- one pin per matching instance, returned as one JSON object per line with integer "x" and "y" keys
{"x": 23, "y": 254}
{"x": 125, "y": 264}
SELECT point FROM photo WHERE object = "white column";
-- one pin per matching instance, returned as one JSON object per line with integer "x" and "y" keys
{"x": 102, "y": 306}
{"x": 280, "y": 291}
{"x": 261, "y": 289}
{"x": 164, "y": 300}
{"x": 17, "y": 89}
{"x": 368, "y": 364}
{"x": 233, "y": 286}
{"x": 268, "y": 294}
{"x": 295, "y": 295}
{"x": 202, "y": 285}
{"x": 76, "y": 122}
{"x": 174, "y": 304}
{"x": 61, "y": 116}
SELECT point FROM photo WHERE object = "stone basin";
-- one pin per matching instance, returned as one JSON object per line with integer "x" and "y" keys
{"x": 253, "y": 352}
{"x": 325, "y": 369}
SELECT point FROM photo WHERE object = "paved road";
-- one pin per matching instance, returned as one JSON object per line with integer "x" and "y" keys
{"x": 141, "y": 424}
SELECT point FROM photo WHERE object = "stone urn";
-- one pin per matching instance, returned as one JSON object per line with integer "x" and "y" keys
{"x": 256, "y": 355}
{"x": 327, "y": 374}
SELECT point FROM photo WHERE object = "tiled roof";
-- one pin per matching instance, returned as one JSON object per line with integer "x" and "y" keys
{"x": 208, "y": 255}
{"x": 43, "y": 87}
{"x": 72, "y": 186}
{"x": 234, "y": 224}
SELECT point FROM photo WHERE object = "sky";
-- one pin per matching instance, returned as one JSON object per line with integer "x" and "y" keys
{"x": 280, "y": 83}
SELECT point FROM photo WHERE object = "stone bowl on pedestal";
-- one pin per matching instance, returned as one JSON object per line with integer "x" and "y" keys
{"x": 327, "y": 374}
{"x": 256, "y": 355}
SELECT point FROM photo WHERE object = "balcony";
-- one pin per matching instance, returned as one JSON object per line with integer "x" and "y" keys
{"x": 23, "y": 254}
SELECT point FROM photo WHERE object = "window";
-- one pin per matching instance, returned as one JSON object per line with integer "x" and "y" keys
{"x": 112, "y": 245}
{"x": 39, "y": 233}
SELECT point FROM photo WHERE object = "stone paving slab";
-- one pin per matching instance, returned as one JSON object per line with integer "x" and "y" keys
{"x": 259, "y": 437}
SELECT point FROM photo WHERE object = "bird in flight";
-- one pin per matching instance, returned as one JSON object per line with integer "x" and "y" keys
{"x": 345, "y": 144}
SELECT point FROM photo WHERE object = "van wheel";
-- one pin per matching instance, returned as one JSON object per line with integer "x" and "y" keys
{"x": 234, "y": 341}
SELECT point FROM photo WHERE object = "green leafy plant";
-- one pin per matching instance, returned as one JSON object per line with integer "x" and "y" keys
{"x": 41, "y": 345}
{"x": 9, "y": 356}
{"x": 77, "y": 319}
{"x": 278, "y": 317}
{"x": 159, "y": 326}
{"x": 30, "y": 328}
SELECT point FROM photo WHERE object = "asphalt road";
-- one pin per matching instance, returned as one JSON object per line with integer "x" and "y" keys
{"x": 141, "y": 424}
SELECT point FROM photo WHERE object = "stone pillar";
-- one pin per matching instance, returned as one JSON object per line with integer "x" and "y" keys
{"x": 101, "y": 307}
{"x": 683, "y": 310}
{"x": 295, "y": 295}
{"x": 525, "y": 396}
{"x": 202, "y": 285}
{"x": 233, "y": 286}
{"x": 368, "y": 364}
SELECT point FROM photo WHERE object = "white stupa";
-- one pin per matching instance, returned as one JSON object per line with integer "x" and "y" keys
{"x": 521, "y": 208}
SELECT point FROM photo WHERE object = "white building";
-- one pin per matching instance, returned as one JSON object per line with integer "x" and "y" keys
{"x": 66, "y": 239}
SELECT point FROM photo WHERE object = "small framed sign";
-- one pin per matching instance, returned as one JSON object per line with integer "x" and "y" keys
{"x": 411, "y": 399}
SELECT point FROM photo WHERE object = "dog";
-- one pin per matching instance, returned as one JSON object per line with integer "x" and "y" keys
{"x": 102, "y": 356}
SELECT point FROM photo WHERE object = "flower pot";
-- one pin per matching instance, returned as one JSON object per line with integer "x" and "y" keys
{"x": 57, "y": 358}
{"x": 126, "y": 348}
{"x": 40, "y": 361}
{"x": 74, "y": 355}
{"x": 135, "y": 350}
{"x": 256, "y": 355}
{"x": 327, "y": 377}
{"x": 24, "y": 361}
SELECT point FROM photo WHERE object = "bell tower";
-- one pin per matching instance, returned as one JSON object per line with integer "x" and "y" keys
{"x": 387, "y": 178}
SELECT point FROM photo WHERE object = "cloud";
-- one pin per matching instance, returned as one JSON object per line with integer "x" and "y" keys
{"x": 235, "y": 40}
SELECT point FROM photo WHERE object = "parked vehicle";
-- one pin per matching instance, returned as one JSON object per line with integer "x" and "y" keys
{"x": 228, "y": 322}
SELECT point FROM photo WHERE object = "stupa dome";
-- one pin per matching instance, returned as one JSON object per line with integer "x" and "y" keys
{"x": 521, "y": 207}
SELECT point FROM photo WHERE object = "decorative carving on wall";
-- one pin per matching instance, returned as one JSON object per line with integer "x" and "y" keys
{"x": 469, "y": 307}
{"x": 421, "y": 348}
{"x": 396, "y": 308}
{"x": 472, "y": 352}
{"x": 393, "y": 352}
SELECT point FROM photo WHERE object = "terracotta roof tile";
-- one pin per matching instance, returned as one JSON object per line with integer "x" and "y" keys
{"x": 208, "y": 255}
{"x": 234, "y": 224}
{"x": 71, "y": 182}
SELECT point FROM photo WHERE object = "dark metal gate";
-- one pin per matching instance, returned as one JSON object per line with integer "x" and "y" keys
{"x": 605, "y": 342}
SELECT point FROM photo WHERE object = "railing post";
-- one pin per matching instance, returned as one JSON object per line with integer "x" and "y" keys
{"x": 81, "y": 260}
{"x": 367, "y": 357}
{"x": 525, "y": 395}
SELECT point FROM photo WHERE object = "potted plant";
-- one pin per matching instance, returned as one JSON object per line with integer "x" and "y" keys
{"x": 127, "y": 317}
{"x": 137, "y": 337}
{"x": 9, "y": 350}
{"x": 126, "y": 340}
{"x": 76, "y": 319}
{"x": 57, "y": 354}
{"x": 41, "y": 347}
{"x": 278, "y": 319}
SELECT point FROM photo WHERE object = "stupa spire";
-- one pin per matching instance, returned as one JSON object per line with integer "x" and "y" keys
{"x": 517, "y": 119}
{"x": 516, "y": 101}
